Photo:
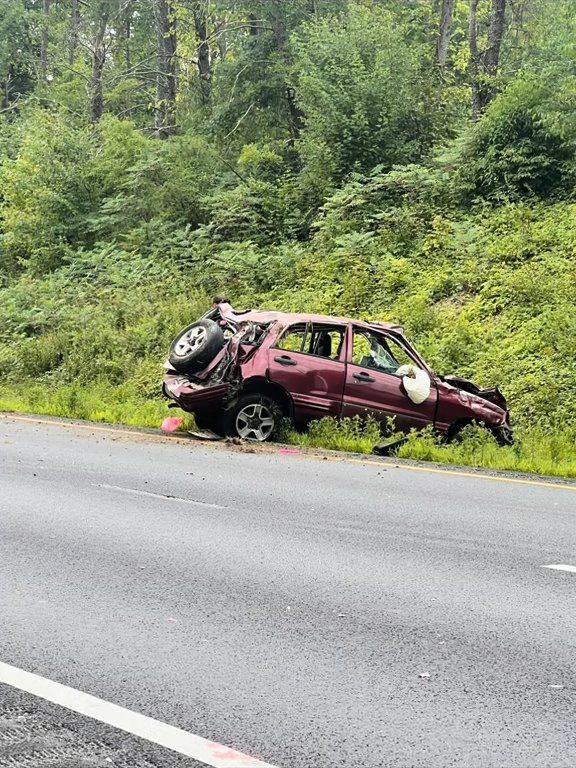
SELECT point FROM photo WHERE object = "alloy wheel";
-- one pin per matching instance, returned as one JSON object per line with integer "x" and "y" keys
{"x": 190, "y": 342}
{"x": 255, "y": 422}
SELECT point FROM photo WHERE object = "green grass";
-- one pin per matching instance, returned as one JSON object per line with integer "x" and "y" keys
{"x": 350, "y": 435}
{"x": 98, "y": 402}
{"x": 535, "y": 452}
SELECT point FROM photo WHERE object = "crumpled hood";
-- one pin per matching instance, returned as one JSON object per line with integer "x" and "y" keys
{"x": 492, "y": 394}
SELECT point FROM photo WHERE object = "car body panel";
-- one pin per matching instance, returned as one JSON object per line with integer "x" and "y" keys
{"x": 195, "y": 397}
{"x": 381, "y": 395}
{"x": 456, "y": 405}
{"x": 316, "y": 385}
{"x": 283, "y": 319}
{"x": 384, "y": 398}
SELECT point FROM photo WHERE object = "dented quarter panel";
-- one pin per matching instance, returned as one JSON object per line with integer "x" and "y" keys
{"x": 196, "y": 396}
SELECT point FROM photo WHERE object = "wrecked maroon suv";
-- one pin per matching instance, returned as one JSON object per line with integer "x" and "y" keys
{"x": 242, "y": 373}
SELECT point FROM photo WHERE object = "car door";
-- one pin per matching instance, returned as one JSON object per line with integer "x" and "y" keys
{"x": 308, "y": 361}
{"x": 373, "y": 387}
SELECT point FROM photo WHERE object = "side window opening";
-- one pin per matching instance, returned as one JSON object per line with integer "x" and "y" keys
{"x": 379, "y": 352}
{"x": 319, "y": 341}
{"x": 326, "y": 342}
{"x": 293, "y": 339}
{"x": 399, "y": 354}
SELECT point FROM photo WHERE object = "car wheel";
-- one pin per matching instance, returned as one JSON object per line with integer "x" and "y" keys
{"x": 503, "y": 436}
{"x": 454, "y": 432}
{"x": 196, "y": 346}
{"x": 253, "y": 417}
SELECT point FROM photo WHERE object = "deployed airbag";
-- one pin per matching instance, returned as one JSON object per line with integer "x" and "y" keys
{"x": 416, "y": 383}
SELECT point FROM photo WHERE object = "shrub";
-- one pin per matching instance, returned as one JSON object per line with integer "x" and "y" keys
{"x": 525, "y": 144}
{"x": 362, "y": 91}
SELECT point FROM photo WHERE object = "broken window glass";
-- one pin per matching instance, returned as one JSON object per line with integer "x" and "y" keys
{"x": 379, "y": 352}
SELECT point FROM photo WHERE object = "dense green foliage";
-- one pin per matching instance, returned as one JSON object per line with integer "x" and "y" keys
{"x": 324, "y": 163}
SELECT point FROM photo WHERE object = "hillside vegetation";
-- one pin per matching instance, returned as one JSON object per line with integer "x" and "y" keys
{"x": 318, "y": 156}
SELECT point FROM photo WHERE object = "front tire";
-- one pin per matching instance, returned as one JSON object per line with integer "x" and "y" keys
{"x": 253, "y": 417}
{"x": 503, "y": 436}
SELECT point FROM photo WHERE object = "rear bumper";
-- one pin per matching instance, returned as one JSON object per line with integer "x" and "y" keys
{"x": 195, "y": 397}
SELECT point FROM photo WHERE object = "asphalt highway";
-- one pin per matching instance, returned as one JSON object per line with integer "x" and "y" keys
{"x": 308, "y": 612}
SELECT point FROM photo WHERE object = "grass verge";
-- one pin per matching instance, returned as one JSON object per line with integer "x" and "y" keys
{"x": 535, "y": 452}
{"x": 98, "y": 402}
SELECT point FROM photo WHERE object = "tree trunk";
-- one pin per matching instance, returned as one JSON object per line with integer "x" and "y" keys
{"x": 221, "y": 39}
{"x": 44, "y": 40}
{"x": 128, "y": 34}
{"x": 203, "y": 53}
{"x": 74, "y": 29}
{"x": 444, "y": 30}
{"x": 166, "y": 77}
{"x": 296, "y": 121}
{"x": 484, "y": 65}
{"x": 98, "y": 61}
{"x": 278, "y": 19}
{"x": 5, "y": 98}
{"x": 474, "y": 62}
{"x": 495, "y": 36}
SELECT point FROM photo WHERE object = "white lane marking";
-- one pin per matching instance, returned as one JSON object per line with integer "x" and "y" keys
{"x": 207, "y": 752}
{"x": 158, "y": 496}
{"x": 561, "y": 567}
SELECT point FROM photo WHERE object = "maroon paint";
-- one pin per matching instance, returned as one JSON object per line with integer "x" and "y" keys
{"x": 318, "y": 386}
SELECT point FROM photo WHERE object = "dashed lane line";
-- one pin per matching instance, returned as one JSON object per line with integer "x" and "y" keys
{"x": 162, "y": 496}
{"x": 561, "y": 567}
{"x": 184, "y": 743}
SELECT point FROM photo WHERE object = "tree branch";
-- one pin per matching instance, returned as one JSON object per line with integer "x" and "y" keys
{"x": 238, "y": 123}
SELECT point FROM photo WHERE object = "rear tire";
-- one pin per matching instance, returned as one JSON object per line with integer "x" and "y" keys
{"x": 196, "y": 346}
{"x": 253, "y": 417}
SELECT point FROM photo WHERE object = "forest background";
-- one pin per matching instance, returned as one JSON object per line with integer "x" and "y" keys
{"x": 406, "y": 160}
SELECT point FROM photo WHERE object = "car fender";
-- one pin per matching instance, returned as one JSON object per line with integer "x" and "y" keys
{"x": 457, "y": 405}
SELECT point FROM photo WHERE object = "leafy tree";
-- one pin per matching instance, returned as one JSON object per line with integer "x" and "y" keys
{"x": 166, "y": 88}
{"x": 45, "y": 195}
{"x": 484, "y": 61}
{"x": 18, "y": 71}
{"x": 362, "y": 92}
{"x": 525, "y": 145}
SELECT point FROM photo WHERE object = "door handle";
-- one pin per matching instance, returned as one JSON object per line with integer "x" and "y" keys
{"x": 285, "y": 360}
{"x": 363, "y": 377}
